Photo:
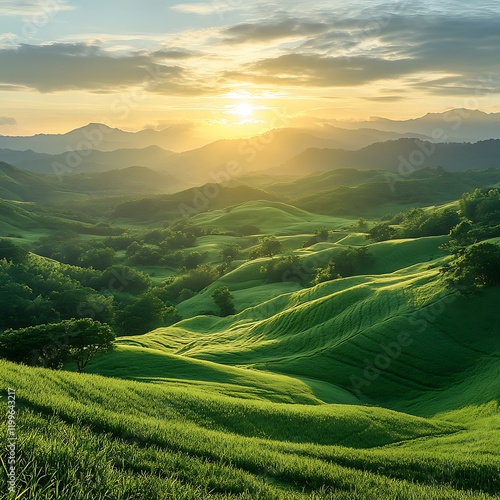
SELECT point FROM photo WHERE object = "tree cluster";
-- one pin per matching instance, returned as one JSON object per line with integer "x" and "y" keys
{"x": 349, "y": 262}
{"x": 51, "y": 345}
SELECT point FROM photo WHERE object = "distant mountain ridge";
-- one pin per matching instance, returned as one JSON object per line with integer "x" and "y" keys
{"x": 85, "y": 161}
{"x": 21, "y": 185}
{"x": 103, "y": 138}
{"x": 455, "y": 125}
{"x": 98, "y": 136}
{"x": 403, "y": 156}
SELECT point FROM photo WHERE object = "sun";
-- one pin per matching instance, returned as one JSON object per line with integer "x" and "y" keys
{"x": 244, "y": 110}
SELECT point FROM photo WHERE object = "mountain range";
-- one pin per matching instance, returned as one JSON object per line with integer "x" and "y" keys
{"x": 455, "y": 125}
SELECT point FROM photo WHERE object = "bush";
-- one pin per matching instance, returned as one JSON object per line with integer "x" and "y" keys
{"x": 49, "y": 345}
{"x": 349, "y": 262}
{"x": 282, "y": 269}
{"x": 12, "y": 252}
{"x": 248, "y": 230}
{"x": 224, "y": 299}
{"x": 475, "y": 267}
{"x": 268, "y": 247}
{"x": 319, "y": 235}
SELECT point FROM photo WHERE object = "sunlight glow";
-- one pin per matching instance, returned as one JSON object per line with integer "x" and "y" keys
{"x": 244, "y": 110}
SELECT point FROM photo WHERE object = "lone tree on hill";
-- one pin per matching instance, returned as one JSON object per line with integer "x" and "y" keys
{"x": 223, "y": 298}
{"x": 268, "y": 247}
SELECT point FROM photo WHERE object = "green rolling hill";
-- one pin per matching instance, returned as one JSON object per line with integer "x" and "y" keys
{"x": 379, "y": 385}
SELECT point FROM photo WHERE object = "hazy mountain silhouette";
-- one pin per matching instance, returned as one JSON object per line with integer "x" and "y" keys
{"x": 103, "y": 138}
{"x": 403, "y": 155}
{"x": 21, "y": 185}
{"x": 86, "y": 161}
{"x": 456, "y": 125}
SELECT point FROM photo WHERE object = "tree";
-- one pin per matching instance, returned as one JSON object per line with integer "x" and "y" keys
{"x": 50, "y": 345}
{"x": 194, "y": 259}
{"x": 475, "y": 267}
{"x": 481, "y": 204}
{"x": 319, "y": 235}
{"x": 98, "y": 257}
{"x": 195, "y": 280}
{"x": 144, "y": 314}
{"x": 381, "y": 232}
{"x": 87, "y": 338}
{"x": 361, "y": 225}
{"x": 230, "y": 252}
{"x": 223, "y": 298}
{"x": 268, "y": 247}
{"x": 286, "y": 268}
{"x": 121, "y": 278}
{"x": 12, "y": 252}
{"x": 349, "y": 262}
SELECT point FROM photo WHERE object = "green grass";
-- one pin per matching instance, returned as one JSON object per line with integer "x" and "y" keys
{"x": 271, "y": 217}
{"x": 279, "y": 401}
{"x": 125, "y": 439}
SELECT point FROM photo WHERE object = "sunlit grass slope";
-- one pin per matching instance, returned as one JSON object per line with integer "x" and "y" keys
{"x": 270, "y": 217}
{"x": 334, "y": 331}
{"x": 85, "y": 436}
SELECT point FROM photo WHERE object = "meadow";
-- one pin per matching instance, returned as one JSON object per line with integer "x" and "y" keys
{"x": 382, "y": 384}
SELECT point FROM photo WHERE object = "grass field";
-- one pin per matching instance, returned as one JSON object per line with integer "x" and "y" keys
{"x": 128, "y": 439}
{"x": 383, "y": 385}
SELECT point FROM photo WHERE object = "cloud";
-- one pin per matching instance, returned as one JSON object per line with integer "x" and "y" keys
{"x": 435, "y": 54}
{"x": 387, "y": 98}
{"x": 203, "y": 9}
{"x": 317, "y": 71}
{"x": 173, "y": 54}
{"x": 440, "y": 54}
{"x": 79, "y": 66}
{"x": 268, "y": 31}
{"x": 7, "y": 120}
{"x": 13, "y": 8}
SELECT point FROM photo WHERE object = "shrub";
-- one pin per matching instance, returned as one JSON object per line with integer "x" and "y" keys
{"x": 349, "y": 262}
{"x": 224, "y": 300}
{"x": 475, "y": 267}
{"x": 268, "y": 246}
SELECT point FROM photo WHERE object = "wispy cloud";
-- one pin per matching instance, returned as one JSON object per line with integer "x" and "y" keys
{"x": 78, "y": 66}
{"x": 203, "y": 9}
{"x": 13, "y": 8}
{"x": 308, "y": 47}
{"x": 272, "y": 30}
{"x": 7, "y": 120}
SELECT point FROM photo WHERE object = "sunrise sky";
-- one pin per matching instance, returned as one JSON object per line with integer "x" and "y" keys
{"x": 231, "y": 67}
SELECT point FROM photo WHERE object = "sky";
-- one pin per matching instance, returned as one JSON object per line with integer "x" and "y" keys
{"x": 227, "y": 68}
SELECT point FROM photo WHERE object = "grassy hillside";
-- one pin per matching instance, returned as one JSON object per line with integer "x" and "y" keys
{"x": 332, "y": 332}
{"x": 377, "y": 385}
{"x": 22, "y": 185}
{"x": 384, "y": 192}
{"x": 141, "y": 440}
